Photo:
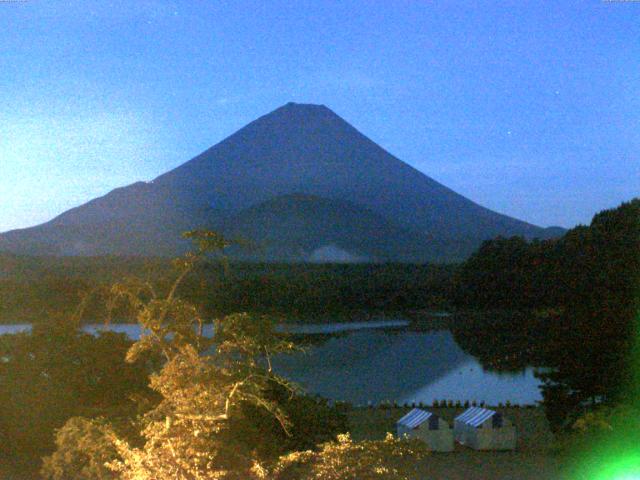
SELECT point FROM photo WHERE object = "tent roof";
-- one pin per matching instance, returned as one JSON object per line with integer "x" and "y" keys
{"x": 475, "y": 416}
{"x": 415, "y": 418}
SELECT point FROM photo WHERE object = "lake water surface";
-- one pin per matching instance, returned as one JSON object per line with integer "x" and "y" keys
{"x": 385, "y": 361}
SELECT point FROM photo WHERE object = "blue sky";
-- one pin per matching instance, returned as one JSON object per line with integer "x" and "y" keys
{"x": 531, "y": 108}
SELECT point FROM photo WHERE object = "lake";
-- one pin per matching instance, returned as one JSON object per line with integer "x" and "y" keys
{"x": 372, "y": 362}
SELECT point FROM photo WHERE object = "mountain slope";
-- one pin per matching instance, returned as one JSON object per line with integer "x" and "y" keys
{"x": 310, "y": 228}
{"x": 305, "y": 149}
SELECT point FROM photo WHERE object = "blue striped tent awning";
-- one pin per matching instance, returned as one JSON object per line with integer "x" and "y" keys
{"x": 415, "y": 418}
{"x": 475, "y": 416}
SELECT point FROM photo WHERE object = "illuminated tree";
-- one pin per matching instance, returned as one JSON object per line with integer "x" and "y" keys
{"x": 202, "y": 384}
{"x": 390, "y": 459}
{"x": 84, "y": 447}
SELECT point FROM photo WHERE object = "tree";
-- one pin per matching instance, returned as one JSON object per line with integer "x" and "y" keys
{"x": 508, "y": 273}
{"x": 55, "y": 372}
{"x": 202, "y": 384}
{"x": 219, "y": 410}
{"x": 312, "y": 421}
{"x": 390, "y": 459}
{"x": 83, "y": 450}
{"x": 588, "y": 283}
{"x": 595, "y": 338}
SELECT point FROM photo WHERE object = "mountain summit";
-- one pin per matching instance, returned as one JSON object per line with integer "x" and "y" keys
{"x": 300, "y": 161}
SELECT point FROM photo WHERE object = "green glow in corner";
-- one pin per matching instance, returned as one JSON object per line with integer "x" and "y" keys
{"x": 615, "y": 456}
{"x": 624, "y": 470}
{"x": 612, "y": 464}
{"x": 627, "y": 469}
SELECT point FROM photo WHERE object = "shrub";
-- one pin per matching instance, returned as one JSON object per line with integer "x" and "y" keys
{"x": 84, "y": 447}
{"x": 56, "y": 372}
{"x": 389, "y": 459}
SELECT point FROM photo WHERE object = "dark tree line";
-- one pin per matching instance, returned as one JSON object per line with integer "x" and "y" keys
{"x": 512, "y": 274}
{"x": 56, "y": 372}
{"x": 35, "y": 294}
{"x": 317, "y": 290}
{"x": 583, "y": 292}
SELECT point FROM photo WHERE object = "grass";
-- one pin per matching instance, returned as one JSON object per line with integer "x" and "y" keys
{"x": 533, "y": 458}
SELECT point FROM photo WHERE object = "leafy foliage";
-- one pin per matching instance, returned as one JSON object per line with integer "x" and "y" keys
{"x": 83, "y": 449}
{"x": 588, "y": 282}
{"x": 390, "y": 459}
{"x": 312, "y": 421}
{"x": 510, "y": 273}
{"x": 596, "y": 334}
{"x": 600, "y": 438}
{"x": 56, "y": 372}
{"x": 219, "y": 409}
{"x": 202, "y": 384}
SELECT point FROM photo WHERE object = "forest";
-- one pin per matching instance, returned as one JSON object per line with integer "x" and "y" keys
{"x": 174, "y": 404}
{"x": 34, "y": 288}
{"x": 581, "y": 296}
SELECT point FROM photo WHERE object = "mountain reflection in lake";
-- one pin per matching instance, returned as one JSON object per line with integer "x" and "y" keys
{"x": 363, "y": 364}
{"x": 375, "y": 365}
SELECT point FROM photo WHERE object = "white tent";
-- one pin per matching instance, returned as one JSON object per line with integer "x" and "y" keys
{"x": 428, "y": 427}
{"x": 484, "y": 429}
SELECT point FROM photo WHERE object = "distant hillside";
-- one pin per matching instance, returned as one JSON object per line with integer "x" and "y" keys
{"x": 311, "y": 228}
{"x": 296, "y": 149}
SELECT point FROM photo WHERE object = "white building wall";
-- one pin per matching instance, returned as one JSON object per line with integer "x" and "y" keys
{"x": 440, "y": 440}
{"x": 485, "y": 437}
